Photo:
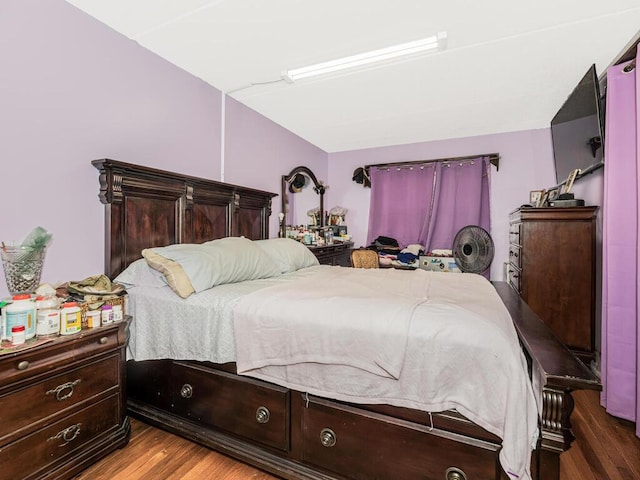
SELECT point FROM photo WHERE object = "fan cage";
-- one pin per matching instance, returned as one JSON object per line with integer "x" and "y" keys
{"x": 473, "y": 249}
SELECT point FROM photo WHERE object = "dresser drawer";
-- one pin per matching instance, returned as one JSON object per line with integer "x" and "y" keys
{"x": 23, "y": 409}
{"x": 515, "y": 233}
{"x": 515, "y": 255}
{"x": 28, "y": 457}
{"x": 333, "y": 440}
{"x": 243, "y": 406}
{"x": 32, "y": 363}
{"x": 515, "y": 278}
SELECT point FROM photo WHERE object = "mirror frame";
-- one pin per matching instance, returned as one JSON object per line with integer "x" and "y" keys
{"x": 318, "y": 187}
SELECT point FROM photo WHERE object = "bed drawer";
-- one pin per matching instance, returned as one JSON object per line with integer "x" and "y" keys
{"x": 255, "y": 410}
{"x": 333, "y": 439}
{"x": 56, "y": 443}
{"x": 27, "y": 407}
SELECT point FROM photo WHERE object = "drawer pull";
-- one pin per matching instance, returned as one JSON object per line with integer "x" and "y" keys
{"x": 69, "y": 434}
{"x": 454, "y": 473}
{"x": 262, "y": 415}
{"x": 103, "y": 340}
{"x": 327, "y": 437}
{"x": 23, "y": 365}
{"x": 58, "y": 391}
{"x": 186, "y": 391}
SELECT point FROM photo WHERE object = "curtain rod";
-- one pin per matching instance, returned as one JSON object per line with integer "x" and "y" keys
{"x": 494, "y": 159}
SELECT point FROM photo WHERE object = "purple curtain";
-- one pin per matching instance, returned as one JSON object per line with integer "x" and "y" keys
{"x": 620, "y": 286}
{"x": 428, "y": 204}
{"x": 400, "y": 201}
{"x": 461, "y": 199}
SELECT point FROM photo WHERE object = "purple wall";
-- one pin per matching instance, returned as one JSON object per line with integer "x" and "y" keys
{"x": 73, "y": 90}
{"x": 258, "y": 152}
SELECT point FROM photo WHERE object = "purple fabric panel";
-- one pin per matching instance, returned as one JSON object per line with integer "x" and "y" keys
{"x": 620, "y": 236}
{"x": 400, "y": 199}
{"x": 463, "y": 199}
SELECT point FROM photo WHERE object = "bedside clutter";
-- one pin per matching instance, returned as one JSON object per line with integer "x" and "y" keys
{"x": 438, "y": 264}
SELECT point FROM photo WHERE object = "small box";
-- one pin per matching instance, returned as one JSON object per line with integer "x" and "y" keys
{"x": 438, "y": 264}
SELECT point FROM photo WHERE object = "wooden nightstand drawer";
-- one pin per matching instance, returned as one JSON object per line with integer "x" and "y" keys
{"x": 252, "y": 409}
{"x": 32, "y": 363}
{"x": 28, "y": 457}
{"x": 25, "y": 409}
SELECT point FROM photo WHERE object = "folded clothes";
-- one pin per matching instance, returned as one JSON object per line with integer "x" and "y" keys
{"x": 442, "y": 252}
{"x": 415, "y": 248}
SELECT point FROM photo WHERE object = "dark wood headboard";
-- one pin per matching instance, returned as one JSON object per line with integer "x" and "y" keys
{"x": 147, "y": 207}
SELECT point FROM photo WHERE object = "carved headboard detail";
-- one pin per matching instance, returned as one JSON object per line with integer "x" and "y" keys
{"x": 147, "y": 207}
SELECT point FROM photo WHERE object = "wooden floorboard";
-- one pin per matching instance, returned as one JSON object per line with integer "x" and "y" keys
{"x": 605, "y": 448}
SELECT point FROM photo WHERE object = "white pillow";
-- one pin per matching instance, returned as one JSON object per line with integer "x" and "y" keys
{"x": 227, "y": 260}
{"x": 139, "y": 274}
{"x": 289, "y": 254}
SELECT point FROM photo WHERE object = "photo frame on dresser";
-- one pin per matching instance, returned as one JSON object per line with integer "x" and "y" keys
{"x": 534, "y": 197}
{"x": 544, "y": 196}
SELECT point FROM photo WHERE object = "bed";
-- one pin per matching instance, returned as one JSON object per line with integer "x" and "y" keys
{"x": 293, "y": 419}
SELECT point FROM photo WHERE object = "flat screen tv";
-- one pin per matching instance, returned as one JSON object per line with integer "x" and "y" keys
{"x": 577, "y": 131}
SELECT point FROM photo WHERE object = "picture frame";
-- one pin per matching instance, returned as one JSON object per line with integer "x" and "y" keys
{"x": 543, "y": 198}
{"x": 553, "y": 194}
{"x": 534, "y": 197}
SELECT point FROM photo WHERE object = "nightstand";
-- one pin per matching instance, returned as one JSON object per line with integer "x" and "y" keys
{"x": 63, "y": 404}
{"x": 336, "y": 254}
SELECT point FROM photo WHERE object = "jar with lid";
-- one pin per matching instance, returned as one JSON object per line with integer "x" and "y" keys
{"x": 118, "y": 315}
{"x": 18, "y": 335}
{"x": 107, "y": 315}
{"x": 47, "y": 316}
{"x": 70, "y": 318}
{"x": 21, "y": 311}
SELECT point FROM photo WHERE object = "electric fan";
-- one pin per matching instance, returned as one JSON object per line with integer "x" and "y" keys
{"x": 473, "y": 249}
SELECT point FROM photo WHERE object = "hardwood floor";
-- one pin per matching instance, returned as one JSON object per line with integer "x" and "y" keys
{"x": 606, "y": 449}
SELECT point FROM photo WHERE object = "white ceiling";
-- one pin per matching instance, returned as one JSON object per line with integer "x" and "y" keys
{"x": 509, "y": 64}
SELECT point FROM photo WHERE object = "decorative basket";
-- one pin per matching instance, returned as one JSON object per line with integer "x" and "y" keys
{"x": 22, "y": 268}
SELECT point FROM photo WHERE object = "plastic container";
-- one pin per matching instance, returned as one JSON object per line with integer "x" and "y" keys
{"x": 107, "y": 315}
{"x": 93, "y": 318}
{"x": 22, "y": 311}
{"x": 118, "y": 315}
{"x": 70, "y": 318}
{"x": 47, "y": 317}
{"x": 18, "y": 335}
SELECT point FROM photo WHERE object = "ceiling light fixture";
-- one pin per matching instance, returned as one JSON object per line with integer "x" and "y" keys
{"x": 433, "y": 43}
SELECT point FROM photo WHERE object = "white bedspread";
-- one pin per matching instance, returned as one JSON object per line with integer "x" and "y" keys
{"x": 339, "y": 316}
{"x": 459, "y": 350}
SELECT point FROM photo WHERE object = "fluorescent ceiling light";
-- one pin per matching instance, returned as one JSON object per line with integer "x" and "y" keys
{"x": 435, "y": 42}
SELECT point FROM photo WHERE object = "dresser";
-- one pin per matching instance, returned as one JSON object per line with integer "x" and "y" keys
{"x": 552, "y": 265}
{"x": 63, "y": 404}
{"x": 337, "y": 254}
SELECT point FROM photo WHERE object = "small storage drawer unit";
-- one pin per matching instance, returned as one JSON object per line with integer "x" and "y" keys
{"x": 63, "y": 404}
{"x": 552, "y": 265}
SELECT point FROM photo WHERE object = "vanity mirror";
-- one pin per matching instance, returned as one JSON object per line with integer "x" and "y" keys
{"x": 300, "y": 192}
